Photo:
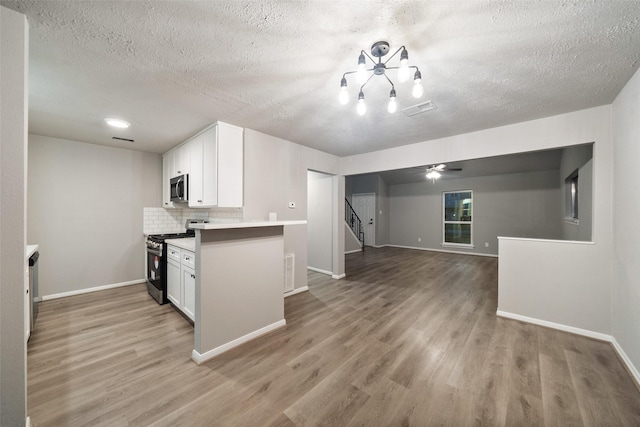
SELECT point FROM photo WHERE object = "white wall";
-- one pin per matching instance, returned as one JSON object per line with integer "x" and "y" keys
{"x": 14, "y": 48}
{"x": 625, "y": 303}
{"x": 320, "y": 221}
{"x": 519, "y": 204}
{"x": 276, "y": 174}
{"x": 85, "y": 210}
{"x": 580, "y": 127}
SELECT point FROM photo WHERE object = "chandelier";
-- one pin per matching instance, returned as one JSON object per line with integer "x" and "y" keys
{"x": 364, "y": 74}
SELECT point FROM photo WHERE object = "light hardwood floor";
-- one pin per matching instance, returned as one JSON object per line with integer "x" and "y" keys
{"x": 408, "y": 338}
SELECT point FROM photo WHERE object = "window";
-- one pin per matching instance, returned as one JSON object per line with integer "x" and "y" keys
{"x": 571, "y": 197}
{"x": 457, "y": 218}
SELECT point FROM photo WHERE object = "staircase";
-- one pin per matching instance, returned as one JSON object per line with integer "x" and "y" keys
{"x": 353, "y": 222}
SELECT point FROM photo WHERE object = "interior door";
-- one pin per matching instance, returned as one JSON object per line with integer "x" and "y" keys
{"x": 365, "y": 206}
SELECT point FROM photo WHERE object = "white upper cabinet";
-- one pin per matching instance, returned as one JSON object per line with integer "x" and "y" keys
{"x": 167, "y": 164}
{"x": 214, "y": 160}
{"x": 217, "y": 167}
{"x": 181, "y": 161}
{"x": 203, "y": 180}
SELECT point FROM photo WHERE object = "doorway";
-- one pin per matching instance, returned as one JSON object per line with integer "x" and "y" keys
{"x": 364, "y": 204}
{"x": 320, "y": 222}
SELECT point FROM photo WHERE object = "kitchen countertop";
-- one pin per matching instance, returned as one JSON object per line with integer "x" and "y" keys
{"x": 188, "y": 243}
{"x": 31, "y": 249}
{"x": 244, "y": 224}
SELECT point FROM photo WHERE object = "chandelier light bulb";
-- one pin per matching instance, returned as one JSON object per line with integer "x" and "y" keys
{"x": 393, "y": 106}
{"x": 433, "y": 175}
{"x": 418, "y": 90}
{"x": 362, "y": 107}
{"x": 403, "y": 71}
{"x": 344, "y": 94}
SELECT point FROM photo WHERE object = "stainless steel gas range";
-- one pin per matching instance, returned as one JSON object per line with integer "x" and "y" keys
{"x": 157, "y": 264}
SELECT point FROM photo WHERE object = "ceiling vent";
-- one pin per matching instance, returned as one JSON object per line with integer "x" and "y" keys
{"x": 122, "y": 139}
{"x": 423, "y": 107}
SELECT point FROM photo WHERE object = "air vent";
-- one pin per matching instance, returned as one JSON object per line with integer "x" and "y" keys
{"x": 122, "y": 139}
{"x": 289, "y": 268}
{"x": 419, "y": 108}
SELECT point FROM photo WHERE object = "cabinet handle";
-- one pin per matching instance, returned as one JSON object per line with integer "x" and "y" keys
{"x": 199, "y": 201}
{"x": 187, "y": 258}
{"x": 193, "y": 276}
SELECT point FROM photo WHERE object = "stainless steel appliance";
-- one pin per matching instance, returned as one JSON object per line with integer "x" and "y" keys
{"x": 179, "y": 187}
{"x": 33, "y": 287}
{"x": 157, "y": 261}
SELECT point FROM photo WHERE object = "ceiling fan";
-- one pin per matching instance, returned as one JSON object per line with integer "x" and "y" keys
{"x": 434, "y": 172}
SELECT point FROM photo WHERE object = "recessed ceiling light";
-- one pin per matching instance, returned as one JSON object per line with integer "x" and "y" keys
{"x": 117, "y": 123}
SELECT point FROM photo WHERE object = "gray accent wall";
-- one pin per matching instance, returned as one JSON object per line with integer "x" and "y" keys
{"x": 85, "y": 210}
{"x": 515, "y": 205}
{"x": 578, "y": 157}
{"x": 14, "y": 45}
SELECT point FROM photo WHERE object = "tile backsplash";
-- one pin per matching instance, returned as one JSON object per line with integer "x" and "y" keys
{"x": 161, "y": 220}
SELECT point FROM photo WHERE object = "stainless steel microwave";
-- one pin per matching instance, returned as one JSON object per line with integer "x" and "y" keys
{"x": 179, "y": 187}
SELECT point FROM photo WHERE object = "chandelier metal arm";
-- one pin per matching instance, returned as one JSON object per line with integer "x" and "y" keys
{"x": 394, "y": 54}
{"x": 364, "y": 84}
{"x": 390, "y": 82}
{"x": 397, "y": 68}
{"x": 367, "y": 55}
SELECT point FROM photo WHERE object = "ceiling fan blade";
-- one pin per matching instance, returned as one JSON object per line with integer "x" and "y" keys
{"x": 453, "y": 169}
{"x": 440, "y": 167}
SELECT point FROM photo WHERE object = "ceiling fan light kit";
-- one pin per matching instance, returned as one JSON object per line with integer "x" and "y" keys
{"x": 379, "y": 68}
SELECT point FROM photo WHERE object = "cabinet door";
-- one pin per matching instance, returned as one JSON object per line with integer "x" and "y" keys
{"x": 167, "y": 164}
{"x": 230, "y": 165}
{"x": 181, "y": 160}
{"x": 195, "y": 175}
{"x": 209, "y": 155}
{"x": 173, "y": 283}
{"x": 189, "y": 292}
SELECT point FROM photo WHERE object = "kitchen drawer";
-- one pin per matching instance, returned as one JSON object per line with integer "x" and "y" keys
{"x": 174, "y": 253}
{"x": 188, "y": 259}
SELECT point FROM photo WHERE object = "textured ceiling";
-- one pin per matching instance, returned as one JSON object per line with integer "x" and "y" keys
{"x": 171, "y": 68}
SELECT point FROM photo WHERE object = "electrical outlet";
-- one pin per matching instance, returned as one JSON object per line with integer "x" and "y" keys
{"x": 419, "y": 239}
{"x": 292, "y": 205}
{"x": 486, "y": 244}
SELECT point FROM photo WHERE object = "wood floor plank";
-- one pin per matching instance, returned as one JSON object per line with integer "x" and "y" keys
{"x": 408, "y": 338}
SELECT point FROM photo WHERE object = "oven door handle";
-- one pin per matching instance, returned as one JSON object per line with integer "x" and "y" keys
{"x": 154, "y": 252}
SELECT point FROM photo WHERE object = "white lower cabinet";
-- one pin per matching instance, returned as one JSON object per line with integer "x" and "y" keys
{"x": 189, "y": 289}
{"x": 173, "y": 276}
{"x": 181, "y": 280}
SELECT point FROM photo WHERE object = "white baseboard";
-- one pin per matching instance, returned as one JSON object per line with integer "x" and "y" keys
{"x": 441, "y": 250}
{"x": 318, "y": 270}
{"x": 296, "y": 291}
{"x": 584, "y": 332}
{"x": 201, "y": 358}
{"x": 338, "y": 276}
{"x": 89, "y": 290}
{"x": 627, "y": 362}
{"x": 558, "y": 326}
{"x": 353, "y": 251}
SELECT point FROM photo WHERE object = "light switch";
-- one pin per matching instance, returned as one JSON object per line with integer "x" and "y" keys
{"x": 292, "y": 205}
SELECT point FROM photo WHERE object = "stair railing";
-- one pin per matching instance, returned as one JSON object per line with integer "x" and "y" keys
{"x": 354, "y": 222}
